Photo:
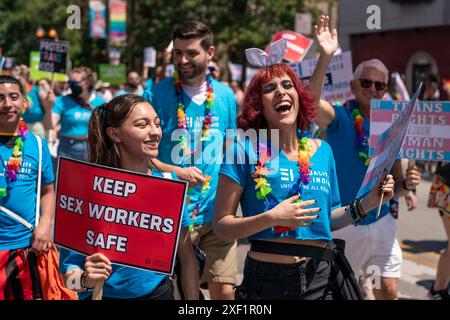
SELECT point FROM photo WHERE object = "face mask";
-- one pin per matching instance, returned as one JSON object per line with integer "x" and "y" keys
{"x": 133, "y": 85}
{"x": 75, "y": 87}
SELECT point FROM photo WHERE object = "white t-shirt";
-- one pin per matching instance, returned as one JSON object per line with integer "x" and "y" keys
{"x": 196, "y": 94}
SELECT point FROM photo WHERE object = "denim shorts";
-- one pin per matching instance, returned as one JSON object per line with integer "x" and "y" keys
{"x": 72, "y": 148}
{"x": 306, "y": 280}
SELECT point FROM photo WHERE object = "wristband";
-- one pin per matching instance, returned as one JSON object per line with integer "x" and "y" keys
{"x": 407, "y": 189}
{"x": 83, "y": 285}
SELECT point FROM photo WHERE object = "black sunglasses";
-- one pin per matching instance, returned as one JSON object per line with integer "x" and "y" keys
{"x": 366, "y": 83}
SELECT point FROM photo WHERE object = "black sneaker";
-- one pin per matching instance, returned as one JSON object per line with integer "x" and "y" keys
{"x": 438, "y": 295}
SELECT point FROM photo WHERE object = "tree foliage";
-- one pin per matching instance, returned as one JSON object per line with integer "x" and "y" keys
{"x": 237, "y": 24}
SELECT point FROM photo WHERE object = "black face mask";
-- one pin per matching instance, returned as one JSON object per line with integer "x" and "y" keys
{"x": 133, "y": 85}
{"x": 75, "y": 87}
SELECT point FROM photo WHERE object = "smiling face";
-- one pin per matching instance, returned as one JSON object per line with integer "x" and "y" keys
{"x": 190, "y": 58}
{"x": 12, "y": 102}
{"x": 280, "y": 102}
{"x": 139, "y": 135}
{"x": 133, "y": 79}
{"x": 364, "y": 95}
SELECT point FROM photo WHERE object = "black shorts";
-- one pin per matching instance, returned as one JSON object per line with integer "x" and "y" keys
{"x": 307, "y": 280}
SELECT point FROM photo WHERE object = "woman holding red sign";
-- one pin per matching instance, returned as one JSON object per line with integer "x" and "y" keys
{"x": 125, "y": 133}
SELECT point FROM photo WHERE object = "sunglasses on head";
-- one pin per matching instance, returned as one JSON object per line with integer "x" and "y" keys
{"x": 366, "y": 83}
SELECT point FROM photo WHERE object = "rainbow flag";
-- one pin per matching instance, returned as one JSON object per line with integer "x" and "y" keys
{"x": 117, "y": 21}
{"x": 97, "y": 19}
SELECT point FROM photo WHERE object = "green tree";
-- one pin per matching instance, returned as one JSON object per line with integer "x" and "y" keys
{"x": 237, "y": 25}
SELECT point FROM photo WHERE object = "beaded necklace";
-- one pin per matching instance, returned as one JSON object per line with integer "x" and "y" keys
{"x": 362, "y": 135}
{"x": 182, "y": 124}
{"x": 263, "y": 188}
{"x": 16, "y": 160}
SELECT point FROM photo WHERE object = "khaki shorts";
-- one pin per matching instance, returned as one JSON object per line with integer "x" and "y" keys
{"x": 221, "y": 256}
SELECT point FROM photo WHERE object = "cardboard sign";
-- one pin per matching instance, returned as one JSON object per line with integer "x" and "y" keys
{"x": 337, "y": 79}
{"x": 303, "y": 23}
{"x": 131, "y": 218}
{"x": 428, "y": 136}
{"x": 149, "y": 57}
{"x": 170, "y": 69}
{"x": 36, "y": 74}
{"x": 97, "y": 19}
{"x": 249, "y": 74}
{"x": 236, "y": 71}
{"x": 114, "y": 74}
{"x": 53, "y": 56}
{"x": 297, "y": 45}
{"x": 387, "y": 148}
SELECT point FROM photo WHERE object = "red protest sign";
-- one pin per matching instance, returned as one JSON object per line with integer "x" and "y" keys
{"x": 131, "y": 218}
{"x": 297, "y": 45}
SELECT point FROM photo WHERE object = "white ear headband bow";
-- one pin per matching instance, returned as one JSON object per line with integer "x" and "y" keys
{"x": 260, "y": 58}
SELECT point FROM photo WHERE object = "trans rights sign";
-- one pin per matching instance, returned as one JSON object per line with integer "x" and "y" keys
{"x": 131, "y": 218}
{"x": 428, "y": 135}
{"x": 387, "y": 147}
{"x": 337, "y": 79}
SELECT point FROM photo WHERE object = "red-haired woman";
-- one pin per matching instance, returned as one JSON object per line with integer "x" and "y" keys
{"x": 289, "y": 196}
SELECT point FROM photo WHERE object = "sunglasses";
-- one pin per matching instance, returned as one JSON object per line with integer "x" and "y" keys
{"x": 366, "y": 83}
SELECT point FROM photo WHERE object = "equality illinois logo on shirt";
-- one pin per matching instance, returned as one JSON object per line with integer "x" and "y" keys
{"x": 319, "y": 180}
{"x": 197, "y": 122}
{"x": 83, "y": 116}
{"x": 25, "y": 169}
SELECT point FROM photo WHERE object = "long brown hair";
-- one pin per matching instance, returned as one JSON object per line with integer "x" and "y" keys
{"x": 102, "y": 150}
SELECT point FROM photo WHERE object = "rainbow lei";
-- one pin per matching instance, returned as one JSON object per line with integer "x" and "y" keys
{"x": 181, "y": 113}
{"x": 263, "y": 188}
{"x": 363, "y": 137}
{"x": 16, "y": 159}
{"x": 182, "y": 124}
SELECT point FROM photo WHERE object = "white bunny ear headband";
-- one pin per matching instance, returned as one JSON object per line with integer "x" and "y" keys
{"x": 261, "y": 59}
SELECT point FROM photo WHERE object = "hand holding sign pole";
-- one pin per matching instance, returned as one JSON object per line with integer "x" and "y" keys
{"x": 97, "y": 294}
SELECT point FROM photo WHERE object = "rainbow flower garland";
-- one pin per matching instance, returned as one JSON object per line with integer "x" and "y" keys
{"x": 16, "y": 159}
{"x": 181, "y": 113}
{"x": 263, "y": 188}
{"x": 182, "y": 124}
{"x": 363, "y": 137}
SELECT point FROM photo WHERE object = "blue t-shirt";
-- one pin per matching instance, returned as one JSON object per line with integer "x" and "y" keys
{"x": 126, "y": 91}
{"x": 21, "y": 198}
{"x": 74, "y": 117}
{"x": 283, "y": 174}
{"x": 124, "y": 282}
{"x": 342, "y": 137}
{"x": 149, "y": 83}
{"x": 164, "y": 99}
{"x": 35, "y": 112}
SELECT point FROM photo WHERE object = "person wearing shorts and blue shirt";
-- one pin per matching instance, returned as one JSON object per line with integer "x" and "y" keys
{"x": 21, "y": 243}
{"x": 371, "y": 245}
{"x": 199, "y": 109}
{"x": 72, "y": 113}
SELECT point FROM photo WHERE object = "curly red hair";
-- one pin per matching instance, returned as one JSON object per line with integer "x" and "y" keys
{"x": 252, "y": 116}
